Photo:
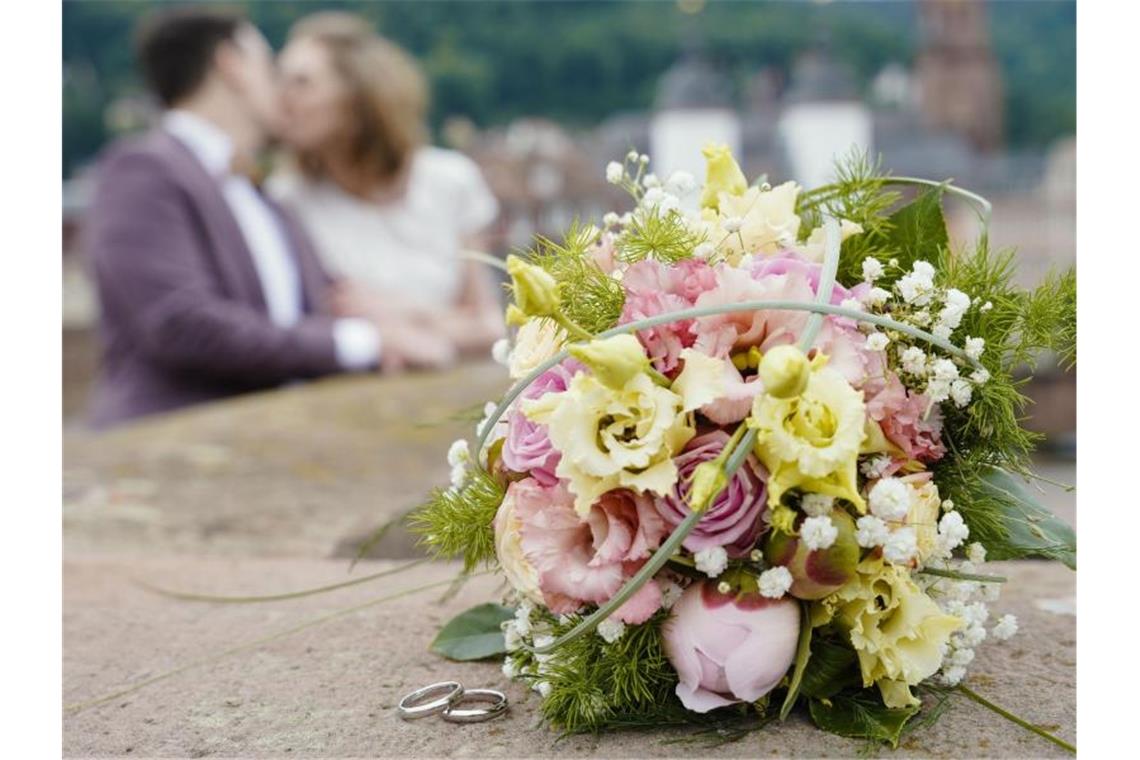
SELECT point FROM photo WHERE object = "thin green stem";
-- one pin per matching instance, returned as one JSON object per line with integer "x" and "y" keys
{"x": 1015, "y": 719}
{"x": 192, "y": 597}
{"x": 655, "y": 563}
{"x": 483, "y": 258}
{"x": 955, "y": 575}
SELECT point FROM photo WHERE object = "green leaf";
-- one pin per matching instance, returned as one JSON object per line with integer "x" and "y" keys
{"x": 833, "y": 667}
{"x": 474, "y": 634}
{"x": 803, "y": 654}
{"x": 1030, "y": 530}
{"x": 861, "y": 716}
{"x": 917, "y": 231}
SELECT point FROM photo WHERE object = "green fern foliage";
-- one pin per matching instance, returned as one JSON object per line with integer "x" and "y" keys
{"x": 589, "y": 297}
{"x": 459, "y": 522}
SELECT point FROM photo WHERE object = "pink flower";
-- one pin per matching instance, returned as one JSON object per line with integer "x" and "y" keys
{"x": 785, "y": 278}
{"x": 903, "y": 416}
{"x": 527, "y": 448}
{"x": 729, "y": 649}
{"x": 586, "y": 561}
{"x": 602, "y": 253}
{"x": 736, "y": 518}
{"x": 654, "y": 288}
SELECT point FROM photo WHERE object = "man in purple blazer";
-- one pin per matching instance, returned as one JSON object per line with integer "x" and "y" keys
{"x": 207, "y": 288}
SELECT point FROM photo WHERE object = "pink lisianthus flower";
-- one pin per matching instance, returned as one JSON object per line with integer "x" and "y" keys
{"x": 729, "y": 648}
{"x": 906, "y": 422}
{"x": 654, "y": 288}
{"x": 587, "y": 561}
{"x": 527, "y": 448}
{"x": 784, "y": 278}
{"x": 736, "y": 401}
{"x": 602, "y": 253}
{"x": 737, "y": 516}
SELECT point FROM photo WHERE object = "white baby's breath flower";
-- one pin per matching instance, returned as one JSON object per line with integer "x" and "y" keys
{"x": 626, "y": 219}
{"x": 913, "y": 361}
{"x": 877, "y": 341}
{"x": 981, "y": 376}
{"x": 901, "y": 546}
{"x": 543, "y": 688}
{"x": 459, "y": 452}
{"x": 916, "y": 286}
{"x": 961, "y": 391}
{"x": 952, "y": 531}
{"x": 986, "y": 306}
{"x": 974, "y": 347}
{"x": 704, "y": 250}
{"x": 631, "y": 156}
{"x": 871, "y": 532}
{"x": 877, "y": 297}
{"x": 732, "y": 224}
{"x": 890, "y": 500}
{"x": 941, "y": 331}
{"x": 976, "y": 552}
{"x": 680, "y": 183}
{"x": 611, "y": 629}
{"x": 501, "y": 351}
{"x": 650, "y": 180}
{"x": 615, "y": 172}
{"x": 670, "y": 593}
{"x": 818, "y": 532}
{"x": 875, "y": 468}
{"x": 973, "y": 635}
{"x": 775, "y": 582}
{"x": 509, "y": 669}
{"x": 852, "y": 303}
{"x": 957, "y": 303}
{"x": 817, "y": 504}
{"x": 711, "y": 561}
{"x": 944, "y": 369}
{"x": 872, "y": 269}
{"x": 962, "y": 657}
{"x": 953, "y": 676}
{"x": 1005, "y": 628}
{"x": 611, "y": 219}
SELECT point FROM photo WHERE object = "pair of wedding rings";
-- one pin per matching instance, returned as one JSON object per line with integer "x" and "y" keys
{"x": 444, "y": 699}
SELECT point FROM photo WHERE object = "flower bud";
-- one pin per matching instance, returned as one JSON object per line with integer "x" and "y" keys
{"x": 614, "y": 361}
{"x": 816, "y": 572}
{"x": 723, "y": 175}
{"x": 785, "y": 371}
{"x": 515, "y": 316}
{"x": 536, "y": 291}
{"x": 708, "y": 480}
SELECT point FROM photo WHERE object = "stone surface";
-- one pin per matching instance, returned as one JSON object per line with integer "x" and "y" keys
{"x": 270, "y": 493}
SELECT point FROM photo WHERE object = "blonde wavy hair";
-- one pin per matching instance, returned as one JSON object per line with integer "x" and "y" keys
{"x": 388, "y": 95}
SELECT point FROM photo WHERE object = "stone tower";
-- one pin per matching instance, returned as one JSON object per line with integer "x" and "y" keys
{"x": 959, "y": 83}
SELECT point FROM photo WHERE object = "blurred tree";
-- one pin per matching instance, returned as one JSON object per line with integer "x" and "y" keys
{"x": 578, "y": 62}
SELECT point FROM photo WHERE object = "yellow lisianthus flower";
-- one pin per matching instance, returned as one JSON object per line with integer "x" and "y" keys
{"x": 535, "y": 342}
{"x": 812, "y": 441}
{"x": 756, "y": 221}
{"x": 896, "y": 629}
{"x": 722, "y": 175}
{"x": 613, "y": 438}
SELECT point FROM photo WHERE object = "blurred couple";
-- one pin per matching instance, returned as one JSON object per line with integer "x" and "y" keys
{"x": 347, "y": 260}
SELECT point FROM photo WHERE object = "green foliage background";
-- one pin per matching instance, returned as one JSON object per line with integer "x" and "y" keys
{"x": 578, "y": 62}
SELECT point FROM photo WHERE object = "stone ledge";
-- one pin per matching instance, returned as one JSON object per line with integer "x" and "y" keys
{"x": 330, "y": 690}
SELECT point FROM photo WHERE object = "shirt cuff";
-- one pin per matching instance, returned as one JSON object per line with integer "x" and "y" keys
{"x": 357, "y": 343}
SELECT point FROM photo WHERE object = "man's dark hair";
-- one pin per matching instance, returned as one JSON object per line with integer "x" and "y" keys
{"x": 175, "y": 48}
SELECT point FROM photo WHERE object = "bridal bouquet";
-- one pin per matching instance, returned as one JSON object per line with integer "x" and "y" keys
{"x": 761, "y": 443}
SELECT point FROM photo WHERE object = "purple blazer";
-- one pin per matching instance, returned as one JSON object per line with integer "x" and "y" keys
{"x": 182, "y": 315}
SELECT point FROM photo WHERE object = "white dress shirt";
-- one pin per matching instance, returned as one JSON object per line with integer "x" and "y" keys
{"x": 357, "y": 341}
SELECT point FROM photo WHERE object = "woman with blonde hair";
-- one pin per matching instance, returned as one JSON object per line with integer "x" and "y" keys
{"x": 389, "y": 214}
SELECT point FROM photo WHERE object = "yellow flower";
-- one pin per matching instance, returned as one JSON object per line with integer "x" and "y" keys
{"x": 614, "y": 360}
{"x": 701, "y": 381}
{"x": 722, "y": 175}
{"x": 613, "y": 438}
{"x": 536, "y": 341}
{"x": 815, "y": 247}
{"x": 785, "y": 371}
{"x": 896, "y": 629}
{"x": 767, "y": 221}
{"x": 925, "y": 506}
{"x": 536, "y": 291}
{"x": 812, "y": 441}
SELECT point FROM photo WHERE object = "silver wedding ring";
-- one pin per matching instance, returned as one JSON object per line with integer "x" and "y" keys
{"x": 446, "y": 693}
{"x": 496, "y": 700}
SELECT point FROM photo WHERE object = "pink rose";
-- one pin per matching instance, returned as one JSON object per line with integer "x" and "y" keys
{"x": 729, "y": 649}
{"x": 736, "y": 518}
{"x": 654, "y": 288}
{"x": 586, "y": 561}
{"x": 903, "y": 416}
{"x": 527, "y": 448}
